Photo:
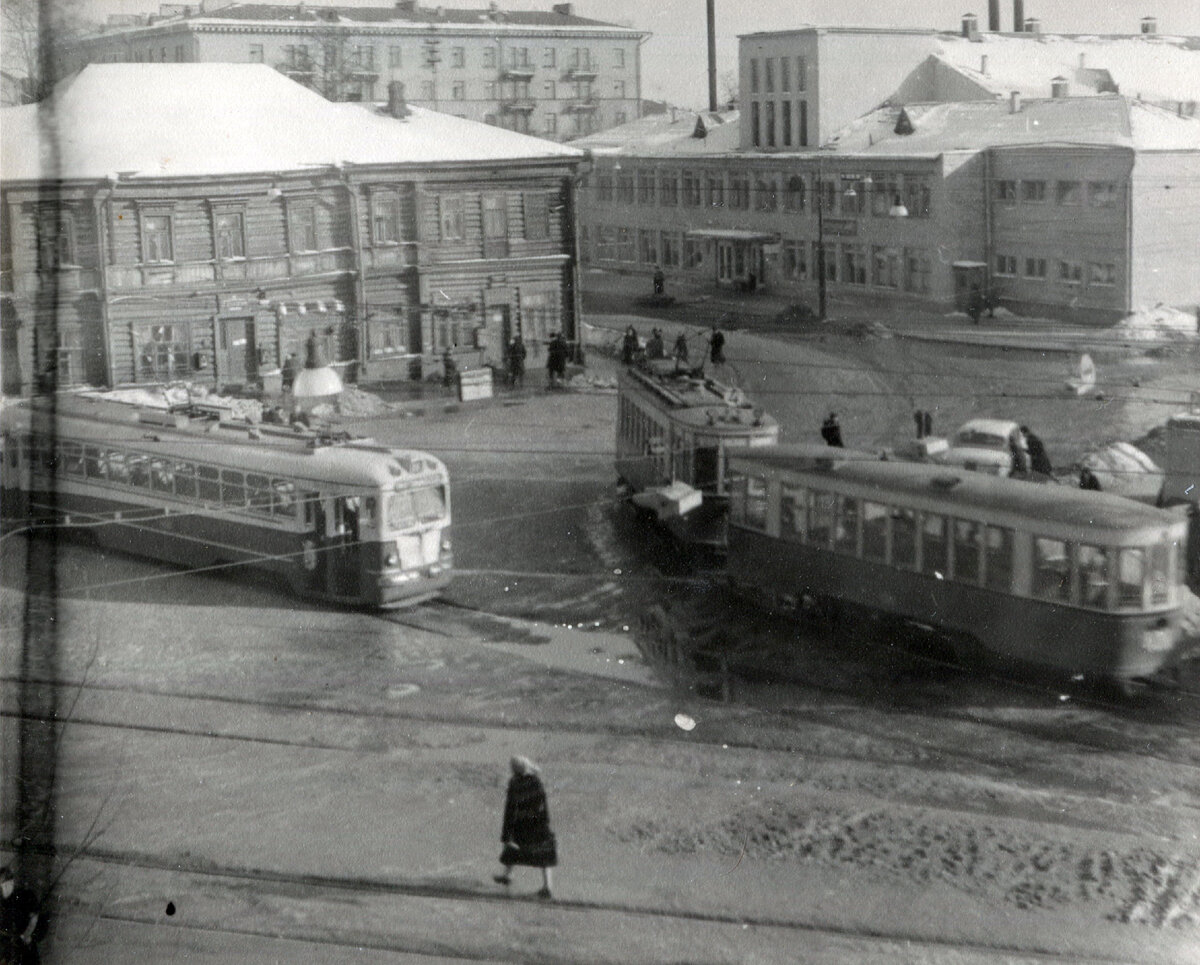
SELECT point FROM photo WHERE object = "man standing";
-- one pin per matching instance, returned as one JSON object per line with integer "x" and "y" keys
{"x": 516, "y": 362}
{"x": 831, "y": 431}
{"x": 556, "y": 360}
{"x": 660, "y": 280}
{"x": 717, "y": 346}
{"x": 1039, "y": 461}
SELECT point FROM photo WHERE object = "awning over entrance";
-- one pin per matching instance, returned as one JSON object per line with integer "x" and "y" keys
{"x": 731, "y": 234}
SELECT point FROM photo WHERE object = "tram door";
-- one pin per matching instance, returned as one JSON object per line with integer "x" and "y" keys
{"x": 345, "y": 550}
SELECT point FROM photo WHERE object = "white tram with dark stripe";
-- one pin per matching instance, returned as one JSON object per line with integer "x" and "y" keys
{"x": 350, "y": 523}
{"x": 675, "y": 433}
{"x": 1052, "y": 576}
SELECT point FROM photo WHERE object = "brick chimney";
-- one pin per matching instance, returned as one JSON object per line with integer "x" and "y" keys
{"x": 566, "y": 9}
{"x": 970, "y": 26}
{"x": 397, "y": 106}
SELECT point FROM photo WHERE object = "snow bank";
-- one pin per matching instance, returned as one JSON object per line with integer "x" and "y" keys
{"x": 1125, "y": 470}
{"x": 1159, "y": 323}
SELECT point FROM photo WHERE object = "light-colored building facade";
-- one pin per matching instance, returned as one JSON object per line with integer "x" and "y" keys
{"x": 553, "y": 73}
{"x": 1073, "y": 207}
{"x": 208, "y": 244}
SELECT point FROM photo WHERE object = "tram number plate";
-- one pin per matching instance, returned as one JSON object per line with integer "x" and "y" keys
{"x": 1157, "y": 641}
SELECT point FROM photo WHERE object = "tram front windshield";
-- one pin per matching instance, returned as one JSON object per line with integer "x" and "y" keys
{"x": 410, "y": 507}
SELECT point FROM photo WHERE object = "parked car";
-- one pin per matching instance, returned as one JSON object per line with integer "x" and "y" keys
{"x": 981, "y": 445}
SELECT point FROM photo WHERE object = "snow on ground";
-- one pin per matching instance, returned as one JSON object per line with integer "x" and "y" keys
{"x": 1159, "y": 322}
{"x": 1125, "y": 470}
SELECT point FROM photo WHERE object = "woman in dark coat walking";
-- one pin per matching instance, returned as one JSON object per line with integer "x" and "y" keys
{"x": 526, "y": 833}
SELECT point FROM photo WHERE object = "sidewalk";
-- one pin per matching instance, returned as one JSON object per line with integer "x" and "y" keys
{"x": 610, "y": 294}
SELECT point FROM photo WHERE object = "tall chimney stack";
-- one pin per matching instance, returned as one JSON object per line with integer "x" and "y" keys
{"x": 1018, "y": 15}
{"x": 712, "y": 55}
{"x": 994, "y": 16}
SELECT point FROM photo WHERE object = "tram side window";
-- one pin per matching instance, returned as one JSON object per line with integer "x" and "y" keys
{"x": 793, "y": 503}
{"x": 845, "y": 536}
{"x": 1160, "y": 569}
{"x": 874, "y": 531}
{"x": 139, "y": 469}
{"x": 258, "y": 493}
{"x": 283, "y": 502}
{"x": 904, "y": 538}
{"x": 822, "y": 518}
{"x": 933, "y": 544}
{"x": 1091, "y": 568}
{"x": 1131, "y": 577}
{"x": 93, "y": 462}
{"x": 185, "y": 480}
{"x": 71, "y": 461}
{"x": 162, "y": 476}
{"x": 998, "y": 558}
{"x": 1051, "y": 569}
{"x": 114, "y": 466}
{"x": 966, "y": 550}
{"x": 208, "y": 479}
{"x": 233, "y": 488}
{"x": 756, "y": 502}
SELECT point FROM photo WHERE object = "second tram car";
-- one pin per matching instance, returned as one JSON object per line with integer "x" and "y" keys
{"x": 1082, "y": 582}
{"x": 350, "y": 523}
{"x": 675, "y": 433}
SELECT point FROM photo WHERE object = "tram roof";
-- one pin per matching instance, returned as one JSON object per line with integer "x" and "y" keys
{"x": 951, "y": 487}
{"x": 702, "y": 402}
{"x": 354, "y": 463}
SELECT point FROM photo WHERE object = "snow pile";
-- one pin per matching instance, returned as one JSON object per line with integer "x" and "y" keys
{"x": 1189, "y": 622}
{"x": 179, "y": 394}
{"x": 1124, "y": 469}
{"x": 1159, "y": 323}
{"x": 592, "y": 382}
{"x": 357, "y": 403}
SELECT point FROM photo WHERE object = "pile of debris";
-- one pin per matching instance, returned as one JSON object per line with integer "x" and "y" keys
{"x": 1159, "y": 324}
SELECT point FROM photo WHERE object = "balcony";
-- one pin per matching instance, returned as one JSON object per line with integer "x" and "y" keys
{"x": 203, "y": 274}
{"x": 581, "y": 105}
{"x": 518, "y": 72}
{"x": 518, "y": 105}
{"x": 586, "y": 72}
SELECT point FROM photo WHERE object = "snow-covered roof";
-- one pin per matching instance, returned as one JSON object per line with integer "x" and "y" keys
{"x": 974, "y": 125}
{"x": 1154, "y": 67}
{"x": 187, "y": 120}
{"x": 667, "y": 134}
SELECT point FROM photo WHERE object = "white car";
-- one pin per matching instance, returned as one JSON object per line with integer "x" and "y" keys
{"x": 982, "y": 445}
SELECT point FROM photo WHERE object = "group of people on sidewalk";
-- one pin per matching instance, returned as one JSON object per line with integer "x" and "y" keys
{"x": 655, "y": 348}
{"x": 557, "y": 354}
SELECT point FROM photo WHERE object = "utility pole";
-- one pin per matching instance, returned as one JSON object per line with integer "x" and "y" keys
{"x": 712, "y": 55}
{"x": 820, "y": 239}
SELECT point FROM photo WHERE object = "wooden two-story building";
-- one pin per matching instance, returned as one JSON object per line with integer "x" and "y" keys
{"x": 199, "y": 221}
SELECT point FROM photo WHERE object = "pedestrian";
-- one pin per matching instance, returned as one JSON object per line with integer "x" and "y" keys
{"x": 1088, "y": 480}
{"x": 629, "y": 345}
{"x": 291, "y": 366}
{"x": 449, "y": 367}
{"x": 1039, "y": 461}
{"x": 516, "y": 361}
{"x": 716, "y": 346}
{"x": 660, "y": 280}
{"x": 919, "y": 419}
{"x": 19, "y": 920}
{"x": 556, "y": 360}
{"x": 655, "y": 349}
{"x": 831, "y": 430}
{"x": 526, "y": 833}
{"x": 1020, "y": 453}
{"x": 681, "y": 348}
{"x": 975, "y": 304}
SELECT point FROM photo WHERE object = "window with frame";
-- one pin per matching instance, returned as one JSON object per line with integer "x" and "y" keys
{"x": 874, "y": 531}
{"x": 755, "y": 124}
{"x": 1070, "y": 272}
{"x": 1033, "y": 192}
{"x": 793, "y": 512}
{"x": 785, "y": 74}
{"x": 495, "y": 226}
{"x": 854, "y": 265}
{"x": 1102, "y": 273}
{"x": 934, "y": 555}
{"x": 668, "y": 190}
{"x": 693, "y": 253}
{"x": 917, "y": 196}
{"x": 645, "y": 187}
{"x": 164, "y": 353}
{"x": 739, "y": 192}
{"x": 619, "y": 57}
{"x": 801, "y": 74}
{"x": 770, "y": 123}
{"x": 548, "y": 56}
{"x": 1102, "y": 194}
{"x": 998, "y": 557}
{"x": 845, "y": 536}
{"x": 884, "y": 189}
{"x": 648, "y": 246}
{"x": 822, "y": 517}
{"x": 256, "y": 54}
{"x": 395, "y": 56}
{"x": 671, "y": 249}
{"x": 458, "y": 56}
{"x": 716, "y": 191}
{"x": 1092, "y": 575}
{"x": 753, "y": 76}
{"x": 604, "y": 187}
{"x": 537, "y": 215}
{"x": 1005, "y": 191}
{"x": 1069, "y": 192}
{"x": 916, "y": 270}
{"x": 1051, "y": 569}
{"x": 549, "y": 90}
{"x": 458, "y": 90}
{"x": 55, "y": 238}
{"x": 691, "y": 189}
{"x": 793, "y": 194}
{"x": 385, "y": 219}
{"x": 489, "y": 56}
{"x": 785, "y": 121}
{"x": 756, "y": 502}
{"x": 550, "y": 126}
{"x": 1035, "y": 268}
{"x": 885, "y": 267}
{"x": 157, "y": 243}
{"x": 764, "y": 195}
{"x": 968, "y": 548}
{"x": 452, "y": 208}
{"x": 795, "y": 260}
{"x": 1006, "y": 265}
{"x": 769, "y": 75}
{"x": 230, "y": 235}
{"x": 625, "y": 189}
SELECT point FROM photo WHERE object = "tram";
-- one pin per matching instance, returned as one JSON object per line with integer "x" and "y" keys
{"x": 346, "y": 522}
{"x": 1083, "y": 582}
{"x": 675, "y": 433}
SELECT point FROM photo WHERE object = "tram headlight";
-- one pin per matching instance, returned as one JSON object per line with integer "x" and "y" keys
{"x": 391, "y": 559}
{"x": 445, "y": 544}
